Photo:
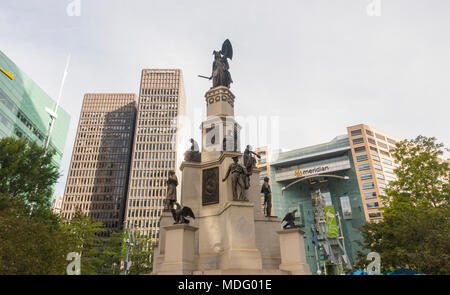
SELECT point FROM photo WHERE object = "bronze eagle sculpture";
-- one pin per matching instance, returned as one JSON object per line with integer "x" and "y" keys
{"x": 180, "y": 213}
{"x": 289, "y": 219}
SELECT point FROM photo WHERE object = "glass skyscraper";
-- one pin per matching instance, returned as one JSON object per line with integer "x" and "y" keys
{"x": 23, "y": 109}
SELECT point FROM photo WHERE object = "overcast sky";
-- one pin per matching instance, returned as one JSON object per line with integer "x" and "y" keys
{"x": 319, "y": 66}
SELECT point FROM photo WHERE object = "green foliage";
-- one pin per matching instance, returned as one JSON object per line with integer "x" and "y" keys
{"x": 141, "y": 256}
{"x": 27, "y": 172}
{"x": 84, "y": 239}
{"x": 35, "y": 241}
{"x": 415, "y": 230}
{"x": 30, "y": 244}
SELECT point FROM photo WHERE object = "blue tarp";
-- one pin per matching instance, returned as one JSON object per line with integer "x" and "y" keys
{"x": 400, "y": 271}
{"x": 358, "y": 272}
{"x": 404, "y": 271}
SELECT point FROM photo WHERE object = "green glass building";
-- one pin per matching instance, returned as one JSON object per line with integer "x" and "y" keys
{"x": 23, "y": 109}
{"x": 320, "y": 181}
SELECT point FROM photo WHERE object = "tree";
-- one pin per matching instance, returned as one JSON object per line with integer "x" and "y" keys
{"x": 415, "y": 230}
{"x": 27, "y": 173}
{"x": 32, "y": 241}
{"x": 30, "y": 244}
{"x": 141, "y": 256}
{"x": 84, "y": 238}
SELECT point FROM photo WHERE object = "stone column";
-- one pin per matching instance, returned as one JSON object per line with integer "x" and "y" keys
{"x": 179, "y": 254}
{"x": 292, "y": 246}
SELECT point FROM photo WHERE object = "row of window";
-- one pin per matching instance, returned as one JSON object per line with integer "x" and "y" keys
{"x": 143, "y": 203}
{"x": 147, "y": 91}
{"x": 159, "y": 130}
{"x": 154, "y": 234}
{"x": 155, "y": 122}
{"x": 103, "y": 137}
{"x": 96, "y": 181}
{"x": 150, "y": 164}
{"x": 154, "y": 173}
{"x": 370, "y": 133}
{"x": 10, "y": 105}
{"x": 161, "y": 139}
{"x": 158, "y": 114}
{"x": 136, "y": 213}
{"x": 98, "y": 165}
{"x": 148, "y": 192}
{"x": 149, "y": 183}
{"x": 101, "y": 157}
{"x": 94, "y": 189}
{"x": 108, "y": 115}
{"x": 94, "y": 198}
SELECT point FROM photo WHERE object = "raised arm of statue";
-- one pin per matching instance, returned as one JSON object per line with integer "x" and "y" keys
{"x": 228, "y": 173}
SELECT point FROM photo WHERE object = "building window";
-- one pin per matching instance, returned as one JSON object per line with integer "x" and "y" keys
{"x": 372, "y": 205}
{"x": 380, "y": 176}
{"x": 375, "y": 158}
{"x": 374, "y": 215}
{"x": 390, "y": 178}
{"x": 386, "y": 161}
{"x": 364, "y": 176}
{"x": 389, "y": 170}
{"x": 383, "y": 145}
{"x": 381, "y": 185}
{"x": 362, "y": 158}
{"x": 370, "y": 195}
{"x": 391, "y": 141}
{"x": 356, "y": 132}
{"x": 358, "y": 140}
{"x": 368, "y": 185}
{"x": 370, "y": 140}
{"x": 385, "y": 153}
{"x": 362, "y": 167}
{"x": 346, "y": 207}
{"x": 379, "y": 136}
{"x": 360, "y": 149}
{"x": 377, "y": 166}
{"x": 369, "y": 132}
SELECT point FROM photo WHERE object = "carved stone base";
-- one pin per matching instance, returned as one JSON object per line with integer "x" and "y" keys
{"x": 179, "y": 256}
{"x": 227, "y": 238}
{"x": 293, "y": 258}
{"x": 219, "y": 102}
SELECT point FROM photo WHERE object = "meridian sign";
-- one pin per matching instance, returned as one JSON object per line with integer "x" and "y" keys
{"x": 311, "y": 169}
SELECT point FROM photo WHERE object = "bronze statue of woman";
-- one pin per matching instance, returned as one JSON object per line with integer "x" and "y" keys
{"x": 220, "y": 74}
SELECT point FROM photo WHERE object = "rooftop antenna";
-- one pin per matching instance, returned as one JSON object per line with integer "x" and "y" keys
{"x": 53, "y": 113}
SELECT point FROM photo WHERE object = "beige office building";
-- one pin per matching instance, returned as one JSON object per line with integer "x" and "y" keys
{"x": 374, "y": 165}
{"x": 157, "y": 136}
{"x": 98, "y": 173}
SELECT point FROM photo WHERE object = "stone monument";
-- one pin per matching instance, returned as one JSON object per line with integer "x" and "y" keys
{"x": 230, "y": 234}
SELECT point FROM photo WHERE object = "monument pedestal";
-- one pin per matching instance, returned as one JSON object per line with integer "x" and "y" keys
{"x": 293, "y": 259}
{"x": 166, "y": 219}
{"x": 179, "y": 256}
{"x": 227, "y": 238}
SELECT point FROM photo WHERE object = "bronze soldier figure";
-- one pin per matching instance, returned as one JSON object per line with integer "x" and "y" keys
{"x": 237, "y": 175}
{"x": 249, "y": 164}
{"x": 172, "y": 183}
{"x": 265, "y": 189}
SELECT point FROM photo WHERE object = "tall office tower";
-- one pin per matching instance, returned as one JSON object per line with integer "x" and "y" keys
{"x": 23, "y": 110}
{"x": 99, "y": 169}
{"x": 371, "y": 151}
{"x": 161, "y": 103}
